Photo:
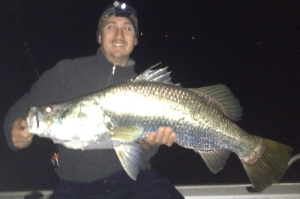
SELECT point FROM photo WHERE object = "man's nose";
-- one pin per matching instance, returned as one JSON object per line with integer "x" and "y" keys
{"x": 119, "y": 33}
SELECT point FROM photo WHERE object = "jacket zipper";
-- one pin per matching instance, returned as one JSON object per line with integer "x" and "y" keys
{"x": 113, "y": 69}
{"x": 112, "y": 73}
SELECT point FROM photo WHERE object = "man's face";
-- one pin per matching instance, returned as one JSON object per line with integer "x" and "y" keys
{"x": 117, "y": 39}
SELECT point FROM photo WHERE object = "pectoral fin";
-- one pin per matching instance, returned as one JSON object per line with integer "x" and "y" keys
{"x": 130, "y": 158}
{"x": 126, "y": 134}
{"x": 215, "y": 160}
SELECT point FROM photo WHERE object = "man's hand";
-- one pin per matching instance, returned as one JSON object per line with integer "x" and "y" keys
{"x": 21, "y": 138}
{"x": 165, "y": 135}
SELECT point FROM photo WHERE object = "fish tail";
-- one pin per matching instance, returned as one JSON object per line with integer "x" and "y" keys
{"x": 270, "y": 167}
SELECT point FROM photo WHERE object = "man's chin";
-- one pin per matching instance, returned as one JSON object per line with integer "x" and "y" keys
{"x": 117, "y": 55}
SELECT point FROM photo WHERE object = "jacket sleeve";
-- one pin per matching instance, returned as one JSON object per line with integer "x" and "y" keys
{"x": 42, "y": 92}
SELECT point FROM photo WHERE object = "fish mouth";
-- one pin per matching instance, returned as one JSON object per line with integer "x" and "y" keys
{"x": 33, "y": 120}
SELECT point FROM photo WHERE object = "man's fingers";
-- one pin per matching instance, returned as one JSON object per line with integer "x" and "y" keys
{"x": 21, "y": 138}
{"x": 153, "y": 139}
{"x": 145, "y": 144}
{"x": 171, "y": 136}
{"x": 161, "y": 136}
{"x": 171, "y": 139}
{"x": 164, "y": 135}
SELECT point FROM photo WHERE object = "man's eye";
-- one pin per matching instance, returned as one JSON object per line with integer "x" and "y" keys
{"x": 128, "y": 28}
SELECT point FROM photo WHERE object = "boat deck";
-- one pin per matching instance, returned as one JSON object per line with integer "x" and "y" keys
{"x": 243, "y": 191}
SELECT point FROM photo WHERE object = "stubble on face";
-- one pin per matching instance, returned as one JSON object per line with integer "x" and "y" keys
{"x": 117, "y": 39}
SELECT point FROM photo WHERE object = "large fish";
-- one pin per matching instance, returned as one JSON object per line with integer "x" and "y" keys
{"x": 121, "y": 115}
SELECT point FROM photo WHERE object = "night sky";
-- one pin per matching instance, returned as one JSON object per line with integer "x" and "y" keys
{"x": 253, "y": 47}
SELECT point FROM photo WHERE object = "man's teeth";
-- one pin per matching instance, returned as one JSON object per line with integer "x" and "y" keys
{"x": 118, "y": 45}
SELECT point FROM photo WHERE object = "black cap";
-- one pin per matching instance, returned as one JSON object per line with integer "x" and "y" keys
{"x": 121, "y": 10}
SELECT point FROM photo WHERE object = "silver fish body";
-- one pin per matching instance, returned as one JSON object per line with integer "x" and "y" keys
{"x": 118, "y": 116}
{"x": 198, "y": 124}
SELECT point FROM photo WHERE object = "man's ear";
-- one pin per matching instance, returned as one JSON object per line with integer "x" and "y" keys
{"x": 99, "y": 39}
{"x": 135, "y": 41}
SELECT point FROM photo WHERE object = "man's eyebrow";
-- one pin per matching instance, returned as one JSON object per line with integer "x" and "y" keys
{"x": 113, "y": 22}
{"x": 109, "y": 22}
{"x": 128, "y": 22}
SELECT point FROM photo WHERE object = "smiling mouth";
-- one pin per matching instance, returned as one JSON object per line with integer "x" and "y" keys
{"x": 118, "y": 45}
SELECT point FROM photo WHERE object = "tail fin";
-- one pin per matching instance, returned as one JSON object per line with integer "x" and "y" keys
{"x": 270, "y": 167}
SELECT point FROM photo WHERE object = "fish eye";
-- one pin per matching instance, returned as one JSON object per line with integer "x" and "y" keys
{"x": 48, "y": 109}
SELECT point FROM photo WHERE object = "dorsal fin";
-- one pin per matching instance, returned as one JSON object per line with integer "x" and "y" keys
{"x": 224, "y": 100}
{"x": 158, "y": 75}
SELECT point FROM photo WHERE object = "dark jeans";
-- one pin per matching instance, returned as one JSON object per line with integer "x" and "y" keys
{"x": 148, "y": 185}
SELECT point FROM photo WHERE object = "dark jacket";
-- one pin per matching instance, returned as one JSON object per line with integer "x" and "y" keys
{"x": 67, "y": 80}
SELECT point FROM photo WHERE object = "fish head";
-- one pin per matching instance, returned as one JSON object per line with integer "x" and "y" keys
{"x": 42, "y": 119}
{"x": 73, "y": 124}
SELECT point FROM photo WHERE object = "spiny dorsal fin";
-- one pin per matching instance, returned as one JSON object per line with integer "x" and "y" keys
{"x": 158, "y": 75}
{"x": 223, "y": 98}
{"x": 215, "y": 160}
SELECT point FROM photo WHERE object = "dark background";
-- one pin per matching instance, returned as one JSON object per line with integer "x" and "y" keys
{"x": 251, "y": 46}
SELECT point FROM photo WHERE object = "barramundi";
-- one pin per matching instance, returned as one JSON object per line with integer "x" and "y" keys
{"x": 203, "y": 118}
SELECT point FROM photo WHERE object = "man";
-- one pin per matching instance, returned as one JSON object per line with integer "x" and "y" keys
{"x": 95, "y": 173}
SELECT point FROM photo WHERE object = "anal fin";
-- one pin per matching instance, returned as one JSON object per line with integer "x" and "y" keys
{"x": 215, "y": 160}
